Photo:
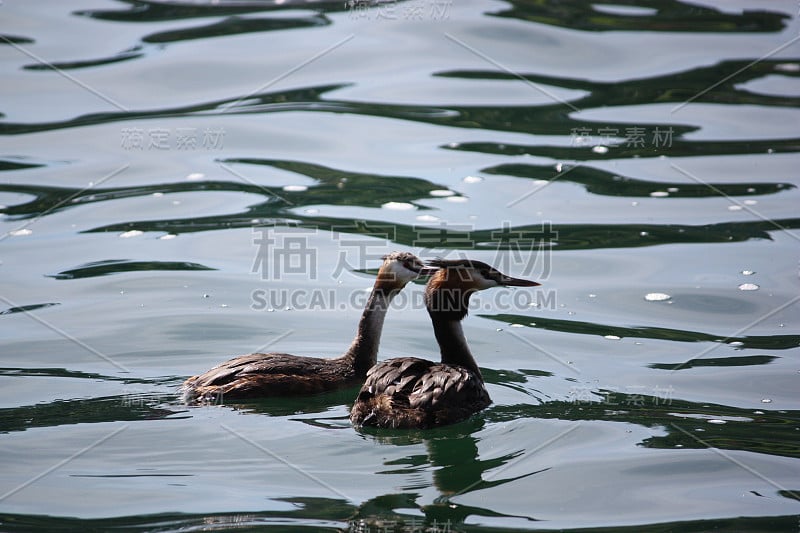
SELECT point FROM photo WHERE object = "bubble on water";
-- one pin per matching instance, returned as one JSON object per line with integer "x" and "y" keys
{"x": 643, "y": 234}
{"x": 716, "y": 421}
{"x": 427, "y": 218}
{"x": 600, "y": 149}
{"x": 540, "y": 183}
{"x": 656, "y": 296}
{"x": 499, "y": 329}
{"x": 634, "y": 204}
{"x": 441, "y": 192}
{"x": 748, "y": 272}
{"x": 223, "y": 305}
{"x": 158, "y": 194}
{"x": 751, "y": 189}
{"x": 748, "y": 287}
{"x": 672, "y": 189}
{"x": 750, "y": 202}
{"x": 758, "y": 412}
{"x": 167, "y": 237}
{"x": 788, "y": 67}
{"x": 20, "y": 232}
{"x": 453, "y": 145}
{"x": 295, "y": 188}
{"x": 131, "y": 233}
{"x": 592, "y": 296}
{"x": 766, "y": 400}
{"x": 472, "y": 179}
{"x": 206, "y": 295}
{"x": 559, "y": 167}
{"x": 736, "y": 344}
{"x": 659, "y": 194}
{"x": 195, "y": 176}
{"x": 612, "y": 337}
{"x": 516, "y": 326}
{"x": 735, "y": 208}
{"x": 398, "y": 206}
{"x": 176, "y": 202}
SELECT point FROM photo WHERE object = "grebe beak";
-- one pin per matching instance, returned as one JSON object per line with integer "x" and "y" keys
{"x": 508, "y": 281}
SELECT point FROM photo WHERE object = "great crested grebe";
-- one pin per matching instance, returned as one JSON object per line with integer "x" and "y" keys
{"x": 275, "y": 374}
{"x": 409, "y": 392}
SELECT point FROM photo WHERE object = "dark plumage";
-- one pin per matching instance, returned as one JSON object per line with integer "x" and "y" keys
{"x": 279, "y": 374}
{"x": 269, "y": 374}
{"x": 414, "y": 393}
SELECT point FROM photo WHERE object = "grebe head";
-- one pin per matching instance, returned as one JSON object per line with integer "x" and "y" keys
{"x": 467, "y": 274}
{"x": 399, "y": 268}
{"x": 448, "y": 291}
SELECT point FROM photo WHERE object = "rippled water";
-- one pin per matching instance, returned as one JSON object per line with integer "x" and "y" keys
{"x": 182, "y": 182}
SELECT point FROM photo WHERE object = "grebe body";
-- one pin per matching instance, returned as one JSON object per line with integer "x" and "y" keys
{"x": 279, "y": 374}
{"x": 409, "y": 392}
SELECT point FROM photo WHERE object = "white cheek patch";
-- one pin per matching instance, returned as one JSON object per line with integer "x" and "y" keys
{"x": 398, "y": 272}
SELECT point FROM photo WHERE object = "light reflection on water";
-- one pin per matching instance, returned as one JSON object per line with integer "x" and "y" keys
{"x": 614, "y": 152}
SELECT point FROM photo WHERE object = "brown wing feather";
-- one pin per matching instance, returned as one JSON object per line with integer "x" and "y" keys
{"x": 270, "y": 374}
{"x": 412, "y": 392}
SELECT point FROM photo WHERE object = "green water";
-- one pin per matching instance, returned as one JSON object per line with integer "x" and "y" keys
{"x": 183, "y": 182}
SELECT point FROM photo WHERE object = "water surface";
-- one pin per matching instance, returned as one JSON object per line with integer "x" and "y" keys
{"x": 182, "y": 182}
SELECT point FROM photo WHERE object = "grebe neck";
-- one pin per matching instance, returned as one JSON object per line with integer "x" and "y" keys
{"x": 452, "y": 343}
{"x": 363, "y": 351}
